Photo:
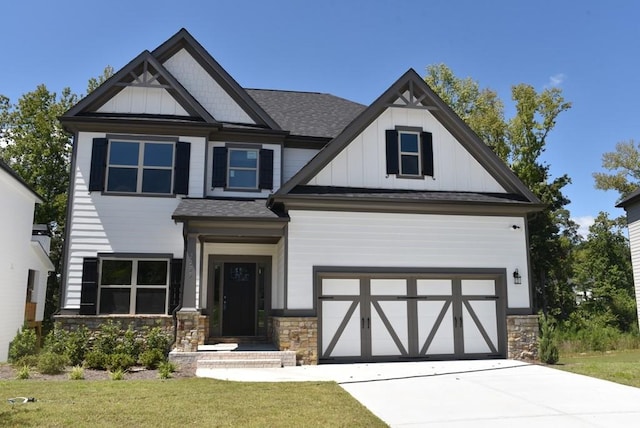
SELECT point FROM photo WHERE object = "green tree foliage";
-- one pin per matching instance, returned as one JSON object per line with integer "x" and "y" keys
{"x": 624, "y": 163}
{"x": 94, "y": 82}
{"x": 604, "y": 277}
{"x": 520, "y": 141}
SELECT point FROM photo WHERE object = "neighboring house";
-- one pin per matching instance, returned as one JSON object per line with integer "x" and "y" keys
{"x": 341, "y": 231}
{"x": 631, "y": 205}
{"x": 24, "y": 259}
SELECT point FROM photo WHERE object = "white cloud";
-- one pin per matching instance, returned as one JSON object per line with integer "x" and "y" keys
{"x": 584, "y": 223}
{"x": 556, "y": 80}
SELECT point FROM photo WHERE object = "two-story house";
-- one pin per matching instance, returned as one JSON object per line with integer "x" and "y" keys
{"x": 341, "y": 231}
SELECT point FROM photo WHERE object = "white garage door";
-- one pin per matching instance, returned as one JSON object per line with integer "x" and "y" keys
{"x": 369, "y": 317}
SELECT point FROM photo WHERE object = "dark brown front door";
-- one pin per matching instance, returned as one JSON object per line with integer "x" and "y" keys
{"x": 239, "y": 299}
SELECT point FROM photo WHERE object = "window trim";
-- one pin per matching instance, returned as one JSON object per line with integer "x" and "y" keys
{"x": 140, "y": 168}
{"x": 417, "y": 153}
{"x": 133, "y": 286}
{"x": 256, "y": 150}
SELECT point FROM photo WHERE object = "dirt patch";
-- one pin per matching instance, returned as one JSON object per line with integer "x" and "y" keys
{"x": 7, "y": 372}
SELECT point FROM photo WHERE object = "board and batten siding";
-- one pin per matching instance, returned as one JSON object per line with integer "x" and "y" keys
{"x": 633, "y": 219}
{"x": 388, "y": 240}
{"x": 102, "y": 223}
{"x": 143, "y": 100}
{"x": 293, "y": 159}
{"x": 15, "y": 256}
{"x": 205, "y": 89}
{"x": 363, "y": 162}
{"x": 230, "y": 249}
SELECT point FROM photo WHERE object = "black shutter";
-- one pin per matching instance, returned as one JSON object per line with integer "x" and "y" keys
{"x": 98, "y": 164}
{"x": 219, "y": 178}
{"x": 181, "y": 168}
{"x": 427, "y": 153}
{"x": 393, "y": 165}
{"x": 266, "y": 169}
{"x": 89, "y": 289}
{"x": 174, "y": 285}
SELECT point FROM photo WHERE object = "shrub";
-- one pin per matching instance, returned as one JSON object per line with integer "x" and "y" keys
{"x": 165, "y": 369}
{"x": 23, "y": 373}
{"x": 76, "y": 345}
{"x": 151, "y": 358}
{"x": 96, "y": 360}
{"x": 106, "y": 339}
{"x": 120, "y": 361}
{"x": 25, "y": 343}
{"x": 26, "y": 360}
{"x": 117, "y": 375}
{"x": 129, "y": 344}
{"x": 155, "y": 338}
{"x": 51, "y": 363}
{"x": 548, "y": 347}
{"x": 77, "y": 373}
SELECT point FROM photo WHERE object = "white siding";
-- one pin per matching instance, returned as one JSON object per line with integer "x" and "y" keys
{"x": 633, "y": 214}
{"x": 352, "y": 239}
{"x": 293, "y": 160}
{"x": 121, "y": 224}
{"x": 16, "y": 216}
{"x": 277, "y": 165}
{"x": 143, "y": 100}
{"x": 363, "y": 162}
{"x": 205, "y": 89}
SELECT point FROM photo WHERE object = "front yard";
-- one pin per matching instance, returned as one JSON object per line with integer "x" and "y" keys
{"x": 617, "y": 366}
{"x": 179, "y": 402}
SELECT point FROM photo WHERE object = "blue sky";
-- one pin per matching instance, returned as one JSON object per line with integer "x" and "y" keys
{"x": 356, "y": 49}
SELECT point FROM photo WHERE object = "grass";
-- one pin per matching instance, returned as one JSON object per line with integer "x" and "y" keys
{"x": 617, "y": 366}
{"x": 181, "y": 402}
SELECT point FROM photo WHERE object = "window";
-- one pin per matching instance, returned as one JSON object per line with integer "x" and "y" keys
{"x": 140, "y": 167}
{"x": 409, "y": 152}
{"x": 243, "y": 169}
{"x": 133, "y": 286}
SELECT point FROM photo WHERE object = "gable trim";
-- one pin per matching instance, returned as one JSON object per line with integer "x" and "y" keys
{"x": 184, "y": 40}
{"x": 442, "y": 112}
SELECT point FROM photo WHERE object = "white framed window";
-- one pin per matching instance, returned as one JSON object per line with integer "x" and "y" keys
{"x": 409, "y": 153}
{"x": 140, "y": 167}
{"x": 133, "y": 286}
{"x": 242, "y": 168}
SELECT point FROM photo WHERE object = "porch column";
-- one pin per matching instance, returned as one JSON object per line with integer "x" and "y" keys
{"x": 189, "y": 284}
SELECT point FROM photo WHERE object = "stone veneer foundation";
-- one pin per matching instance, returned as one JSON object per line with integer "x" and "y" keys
{"x": 193, "y": 329}
{"x": 94, "y": 322}
{"x": 299, "y": 334}
{"x": 522, "y": 337}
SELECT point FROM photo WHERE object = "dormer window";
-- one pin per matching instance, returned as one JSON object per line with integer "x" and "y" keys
{"x": 409, "y": 152}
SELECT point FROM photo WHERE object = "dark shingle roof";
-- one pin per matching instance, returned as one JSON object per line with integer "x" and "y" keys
{"x": 307, "y": 113}
{"x": 411, "y": 195}
{"x": 630, "y": 199}
{"x": 224, "y": 208}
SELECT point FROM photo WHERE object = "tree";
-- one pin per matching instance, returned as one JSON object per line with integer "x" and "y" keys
{"x": 625, "y": 162}
{"x": 604, "y": 276}
{"x": 520, "y": 141}
{"x": 94, "y": 82}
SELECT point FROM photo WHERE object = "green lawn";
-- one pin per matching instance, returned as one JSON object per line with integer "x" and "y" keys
{"x": 616, "y": 366}
{"x": 180, "y": 402}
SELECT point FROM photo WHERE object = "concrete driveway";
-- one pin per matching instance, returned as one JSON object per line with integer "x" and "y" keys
{"x": 495, "y": 393}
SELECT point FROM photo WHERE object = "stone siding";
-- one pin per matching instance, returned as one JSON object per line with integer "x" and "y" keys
{"x": 299, "y": 334}
{"x": 522, "y": 337}
{"x": 193, "y": 329}
{"x": 138, "y": 322}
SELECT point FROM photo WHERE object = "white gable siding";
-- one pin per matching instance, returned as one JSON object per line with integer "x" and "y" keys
{"x": 293, "y": 159}
{"x": 633, "y": 215}
{"x": 363, "y": 162}
{"x": 121, "y": 224}
{"x": 205, "y": 89}
{"x": 16, "y": 216}
{"x": 356, "y": 239}
{"x": 143, "y": 100}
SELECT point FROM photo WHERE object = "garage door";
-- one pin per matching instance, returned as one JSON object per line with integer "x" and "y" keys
{"x": 383, "y": 318}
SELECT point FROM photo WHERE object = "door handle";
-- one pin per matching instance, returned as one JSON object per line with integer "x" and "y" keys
{"x": 224, "y": 303}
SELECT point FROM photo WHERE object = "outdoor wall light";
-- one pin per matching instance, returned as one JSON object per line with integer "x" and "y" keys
{"x": 517, "y": 279}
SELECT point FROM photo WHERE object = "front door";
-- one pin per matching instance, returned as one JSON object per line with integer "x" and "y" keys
{"x": 239, "y": 299}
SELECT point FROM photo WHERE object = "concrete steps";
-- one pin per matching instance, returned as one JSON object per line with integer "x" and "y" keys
{"x": 226, "y": 359}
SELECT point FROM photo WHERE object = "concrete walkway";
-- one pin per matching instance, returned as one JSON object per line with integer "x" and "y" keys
{"x": 495, "y": 393}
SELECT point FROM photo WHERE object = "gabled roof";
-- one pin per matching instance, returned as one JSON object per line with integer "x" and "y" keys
{"x": 139, "y": 66}
{"x": 632, "y": 198}
{"x": 413, "y": 92}
{"x": 308, "y": 113}
{"x": 20, "y": 180}
{"x": 183, "y": 40}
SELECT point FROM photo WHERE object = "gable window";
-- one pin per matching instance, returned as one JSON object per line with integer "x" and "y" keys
{"x": 133, "y": 286}
{"x": 409, "y": 152}
{"x": 139, "y": 167}
{"x": 242, "y": 168}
